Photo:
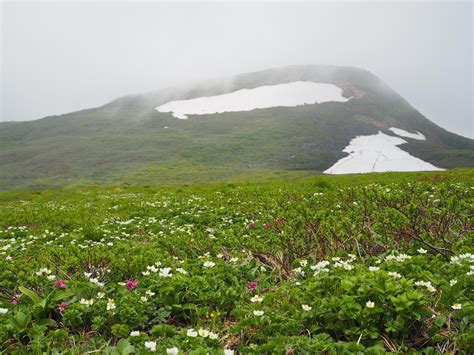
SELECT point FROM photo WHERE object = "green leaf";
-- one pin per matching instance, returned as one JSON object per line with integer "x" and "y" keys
{"x": 124, "y": 347}
{"x": 48, "y": 322}
{"x": 22, "y": 320}
{"x": 438, "y": 338}
{"x": 440, "y": 320}
{"x": 33, "y": 296}
{"x": 61, "y": 295}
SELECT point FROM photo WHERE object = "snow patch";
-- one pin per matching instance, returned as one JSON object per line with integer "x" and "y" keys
{"x": 287, "y": 95}
{"x": 378, "y": 153}
{"x": 403, "y": 133}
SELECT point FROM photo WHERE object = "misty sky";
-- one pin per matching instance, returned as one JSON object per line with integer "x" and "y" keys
{"x": 62, "y": 57}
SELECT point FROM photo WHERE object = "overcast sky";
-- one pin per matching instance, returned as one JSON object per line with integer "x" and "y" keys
{"x": 62, "y": 57}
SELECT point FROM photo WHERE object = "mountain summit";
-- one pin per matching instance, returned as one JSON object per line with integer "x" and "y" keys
{"x": 301, "y": 118}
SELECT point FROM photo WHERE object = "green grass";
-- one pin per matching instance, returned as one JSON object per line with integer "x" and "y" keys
{"x": 333, "y": 244}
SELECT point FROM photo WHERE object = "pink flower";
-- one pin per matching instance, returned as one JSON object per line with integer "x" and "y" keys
{"x": 15, "y": 300}
{"x": 63, "y": 306}
{"x": 252, "y": 286}
{"x": 60, "y": 284}
{"x": 131, "y": 284}
{"x": 252, "y": 226}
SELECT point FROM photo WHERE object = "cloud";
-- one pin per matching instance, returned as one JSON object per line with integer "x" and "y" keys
{"x": 62, "y": 57}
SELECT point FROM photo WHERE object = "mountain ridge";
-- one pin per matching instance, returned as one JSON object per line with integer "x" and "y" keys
{"x": 82, "y": 145}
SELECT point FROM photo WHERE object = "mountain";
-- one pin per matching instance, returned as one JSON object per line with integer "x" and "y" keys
{"x": 130, "y": 140}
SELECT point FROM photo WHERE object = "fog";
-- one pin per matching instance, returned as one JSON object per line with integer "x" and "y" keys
{"x": 62, "y": 57}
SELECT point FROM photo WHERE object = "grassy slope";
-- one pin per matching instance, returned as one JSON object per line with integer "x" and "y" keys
{"x": 369, "y": 215}
{"x": 126, "y": 138}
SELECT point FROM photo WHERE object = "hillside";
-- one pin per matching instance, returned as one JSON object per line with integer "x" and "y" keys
{"x": 129, "y": 140}
{"x": 366, "y": 264}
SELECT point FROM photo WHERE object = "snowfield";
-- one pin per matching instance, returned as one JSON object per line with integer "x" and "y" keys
{"x": 287, "y": 95}
{"x": 378, "y": 153}
{"x": 403, "y": 133}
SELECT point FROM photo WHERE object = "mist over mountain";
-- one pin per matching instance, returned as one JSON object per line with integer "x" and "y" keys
{"x": 69, "y": 59}
{"x": 129, "y": 139}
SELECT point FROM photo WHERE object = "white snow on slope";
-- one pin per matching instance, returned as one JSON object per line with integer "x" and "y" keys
{"x": 403, "y": 133}
{"x": 291, "y": 94}
{"x": 377, "y": 153}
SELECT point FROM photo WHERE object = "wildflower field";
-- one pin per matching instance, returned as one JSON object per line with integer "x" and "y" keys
{"x": 336, "y": 265}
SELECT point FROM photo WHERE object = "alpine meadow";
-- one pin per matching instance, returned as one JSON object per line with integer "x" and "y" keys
{"x": 288, "y": 209}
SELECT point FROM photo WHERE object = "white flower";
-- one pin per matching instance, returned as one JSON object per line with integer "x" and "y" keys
{"x": 426, "y": 284}
{"x": 3, "y": 310}
{"x": 135, "y": 333}
{"x": 347, "y": 266}
{"x": 88, "y": 274}
{"x": 96, "y": 281}
{"x": 299, "y": 271}
{"x": 85, "y": 302}
{"x": 343, "y": 263}
{"x": 191, "y": 333}
{"x": 165, "y": 272}
{"x": 320, "y": 267}
{"x": 209, "y": 264}
{"x": 110, "y": 304}
{"x": 303, "y": 263}
{"x": 150, "y": 293}
{"x": 458, "y": 259}
{"x": 181, "y": 271}
{"x": 152, "y": 268}
{"x": 257, "y": 299}
{"x": 213, "y": 336}
{"x": 234, "y": 260}
{"x": 228, "y": 352}
{"x": 51, "y": 277}
{"x": 258, "y": 313}
{"x": 203, "y": 333}
{"x": 144, "y": 299}
{"x": 151, "y": 345}
{"x": 422, "y": 251}
{"x": 399, "y": 258}
{"x": 370, "y": 304}
{"x": 317, "y": 272}
{"x": 453, "y": 282}
{"x": 395, "y": 275}
{"x": 100, "y": 295}
{"x": 306, "y": 307}
{"x": 172, "y": 351}
{"x": 42, "y": 271}
{"x": 456, "y": 306}
{"x": 145, "y": 273}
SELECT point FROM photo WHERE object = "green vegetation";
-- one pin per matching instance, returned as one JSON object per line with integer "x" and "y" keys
{"x": 325, "y": 264}
{"x": 127, "y": 138}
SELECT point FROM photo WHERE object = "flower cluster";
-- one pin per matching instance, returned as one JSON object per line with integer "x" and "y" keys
{"x": 426, "y": 284}
{"x": 398, "y": 258}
